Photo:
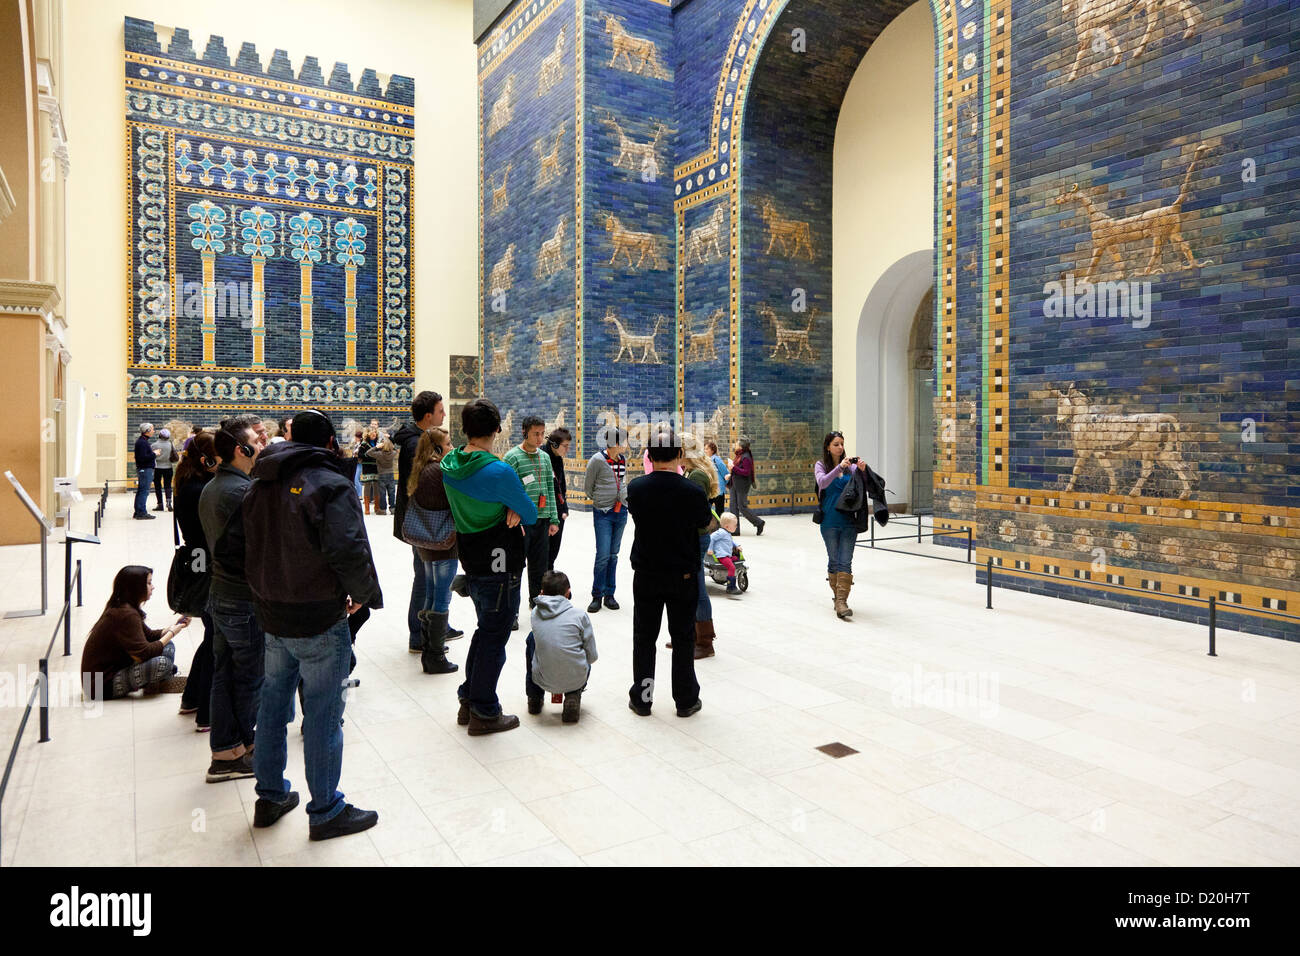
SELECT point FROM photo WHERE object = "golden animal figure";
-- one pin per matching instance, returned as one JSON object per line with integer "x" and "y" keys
{"x": 629, "y": 343}
{"x": 500, "y": 198}
{"x": 790, "y": 234}
{"x": 626, "y": 241}
{"x": 640, "y": 54}
{"x": 632, "y": 154}
{"x": 549, "y": 168}
{"x": 701, "y": 346}
{"x": 1100, "y": 18}
{"x": 557, "y": 422}
{"x": 548, "y": 346}
{"x": 502, "y": 276}
{"x": 505, "y": 437}
{"x": 1160, "y": 225}
{"x": 552, "y": 67}
{"x": 503, "y": 109}
{"x": 704, "y": 242}
{"x": 793, "y": 342}
{"x": 501, "y": 353}
{"x": 1110, "y": 438}
{"x": 550, "y": 258}
{"x": 788, "y": 439}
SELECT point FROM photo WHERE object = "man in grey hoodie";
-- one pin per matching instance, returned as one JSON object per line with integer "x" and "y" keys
{"x": 561, "y": 648}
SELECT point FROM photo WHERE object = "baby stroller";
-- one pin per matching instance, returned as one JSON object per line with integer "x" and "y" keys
{"x": 718, "y": 572}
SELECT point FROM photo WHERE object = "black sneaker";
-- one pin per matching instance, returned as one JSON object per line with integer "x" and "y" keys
{"x": 266, "y": 812}
{"x": 158, "y": 508}
{"x": 241, "y": 768}
{"x": 452, "y": 634}
{"x": 761, "y": 526}
{"x": 610, "y": 602}
{"x": 534, "y": 705}
{"x": 572, "y": 707}
{"x": 688, "y": 711}
{"x": 642, "y": 710}
{"x": 351, "y": 820}
{"x": 594, "y": 606}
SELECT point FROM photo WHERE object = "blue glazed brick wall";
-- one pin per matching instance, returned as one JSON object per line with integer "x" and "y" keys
{"x": 635, "y": 186}
{"x": 262, "y": 147}
{"x": 527, "y": 102}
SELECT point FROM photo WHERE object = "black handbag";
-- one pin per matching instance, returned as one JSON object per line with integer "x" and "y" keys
{"x": 189, "y": 577}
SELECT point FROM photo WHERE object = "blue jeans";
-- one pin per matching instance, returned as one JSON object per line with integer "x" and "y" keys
{"x": 144, "y": 484}
{"x": 438, "y": 576}
{"x": 387, "y": 492}
{"x": 496, "y": 601}
{"x": 609, "y": 527}
{"x": 419, "y": 588}
{"x": 238, "y": 667}
{"x": 839, "y": 548}
{"x": 704, "y": 608}
{"x": 356, "y": 481}
{"x": 321, "y": 664}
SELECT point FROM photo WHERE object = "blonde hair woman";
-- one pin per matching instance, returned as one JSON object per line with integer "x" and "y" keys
{"x": 699, "y": 469}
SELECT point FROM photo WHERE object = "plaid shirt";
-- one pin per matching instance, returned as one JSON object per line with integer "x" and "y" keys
{"x": 538, "y": 464}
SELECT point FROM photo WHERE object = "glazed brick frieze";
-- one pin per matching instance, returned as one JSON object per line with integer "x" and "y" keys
{"x": 269, "y": 220}
{"x": 1114, "y": 298}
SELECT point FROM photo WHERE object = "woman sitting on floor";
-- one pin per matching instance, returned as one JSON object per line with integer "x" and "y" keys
{"x": 122, "y": 653}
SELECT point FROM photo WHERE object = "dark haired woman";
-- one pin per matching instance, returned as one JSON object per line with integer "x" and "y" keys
{"x": 833, "y": 473}
{"x": 744, "y": 479}
{"x": 196, "y": 468}
{"x": 122, "y": 653}
{"x": 557, "y": 447}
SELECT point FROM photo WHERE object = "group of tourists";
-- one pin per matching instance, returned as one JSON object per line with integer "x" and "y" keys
{"x": 274, "y": 559}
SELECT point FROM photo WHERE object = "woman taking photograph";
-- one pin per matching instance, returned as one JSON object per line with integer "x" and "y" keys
{"x": 833, "y": 474}
{"x": 699, "y": 469}
{"x": 122, "y": 653}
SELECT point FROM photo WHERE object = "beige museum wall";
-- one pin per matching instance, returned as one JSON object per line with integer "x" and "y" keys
{"x": 429, "y": 40}
{"x": 883, "y": 202}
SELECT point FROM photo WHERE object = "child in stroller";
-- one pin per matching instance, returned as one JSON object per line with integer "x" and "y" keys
{"x": 724, "y": 561}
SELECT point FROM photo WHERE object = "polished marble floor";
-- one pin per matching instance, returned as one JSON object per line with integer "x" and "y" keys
{"x": 1039, "y": 733}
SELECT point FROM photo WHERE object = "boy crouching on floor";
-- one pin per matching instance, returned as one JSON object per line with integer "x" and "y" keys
{"x": 560, "y": 650}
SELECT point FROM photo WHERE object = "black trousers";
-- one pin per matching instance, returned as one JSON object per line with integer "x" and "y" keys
{"x": 554, "y": 545}
{"x": 537, "y": 549}
{"x": 652, "y": 594}
{"x": 198, "y": 685}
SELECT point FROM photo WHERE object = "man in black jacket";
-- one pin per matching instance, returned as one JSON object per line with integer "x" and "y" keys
{"x": 308, "y": 563}
{"x": 426, "y": 412}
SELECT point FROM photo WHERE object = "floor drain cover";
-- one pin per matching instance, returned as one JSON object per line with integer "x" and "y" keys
{"x": 837, "y": 749}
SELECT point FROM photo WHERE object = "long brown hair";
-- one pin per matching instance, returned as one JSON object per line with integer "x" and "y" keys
{"x": 130, "y": 587}
{"x": 429, "y": 449}
{"x": 693, "y": 457}
{"x": 198, "y": 458}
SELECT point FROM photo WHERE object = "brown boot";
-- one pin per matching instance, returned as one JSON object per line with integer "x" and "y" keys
{"x": 831, "y": 579}
{"x": 703, "y": 639}
{"x": 843, "y": 583}
{"x": 368, "y": 502}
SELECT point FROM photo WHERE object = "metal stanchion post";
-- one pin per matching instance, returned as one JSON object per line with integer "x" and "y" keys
{"x": 44, "y": 678}
{"x": 968, "y": 545}
{"x": 1212, "y": 624}
{"x": 988, "y": 581}
{"x": 78, "y": 582}
{"x": 872, "y": 525}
